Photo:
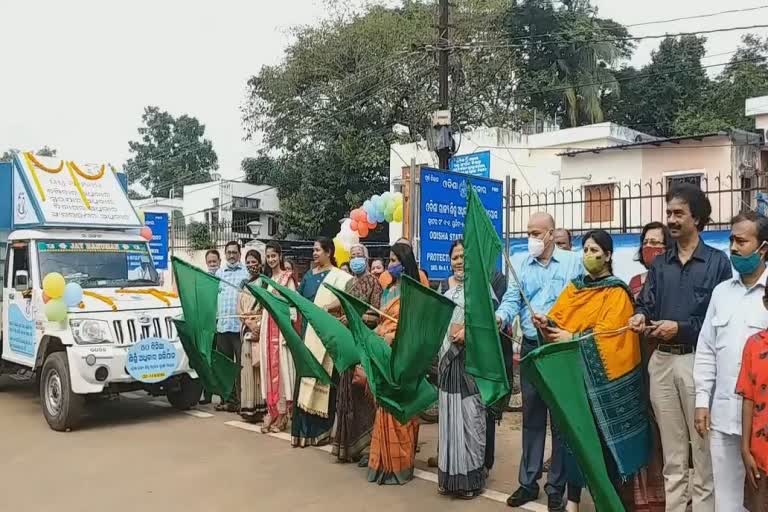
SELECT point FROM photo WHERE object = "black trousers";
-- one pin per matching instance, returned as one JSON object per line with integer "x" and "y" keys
{"x": 229, "y": 344}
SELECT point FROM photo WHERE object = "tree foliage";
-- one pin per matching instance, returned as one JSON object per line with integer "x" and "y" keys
{"x": 172, "y": 152}
{"x": 7, "y": 156}
{"x": 566, "y": 57}
{"x": 326, "y": 113}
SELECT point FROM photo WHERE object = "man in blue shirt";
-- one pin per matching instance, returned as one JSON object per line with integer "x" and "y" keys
{"x": 543, "y": 275}
{"x": 228, "y": 324}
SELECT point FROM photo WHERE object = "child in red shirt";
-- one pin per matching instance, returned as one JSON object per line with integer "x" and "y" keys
{"x": 753, "y": 386}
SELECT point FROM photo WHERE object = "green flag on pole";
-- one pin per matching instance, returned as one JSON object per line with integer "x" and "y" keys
{"x": 333, "y": 334}
{"x": 305, "y": 363}
{"x": 556, "y": 371}
{"x": 397, "y": 374}
{"x": 199, "y": 294}
{"x": 484, "y": 358}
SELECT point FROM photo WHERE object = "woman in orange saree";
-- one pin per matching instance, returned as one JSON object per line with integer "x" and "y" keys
{"x": 393, "y": 445}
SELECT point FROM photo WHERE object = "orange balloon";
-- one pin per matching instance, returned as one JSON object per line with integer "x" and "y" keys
{"x": 363, "y": 217}
{"x": 354, "y": 225}
{"x": 362, "y": 230}
{"x": 46, "y": 298}
{"x": 372, "y": 225}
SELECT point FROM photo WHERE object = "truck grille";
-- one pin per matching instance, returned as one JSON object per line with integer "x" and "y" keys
{"x": 129, "y": 331}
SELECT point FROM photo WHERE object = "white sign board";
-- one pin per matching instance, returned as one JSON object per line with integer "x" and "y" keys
{"x": 70, "y": 194}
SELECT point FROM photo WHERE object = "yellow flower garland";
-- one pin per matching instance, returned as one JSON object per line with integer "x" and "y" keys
{"x": 33, "y": 163}
{"x": 74, "y": 171}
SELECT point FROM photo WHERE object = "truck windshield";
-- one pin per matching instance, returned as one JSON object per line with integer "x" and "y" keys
{"x": 98, "y": 264}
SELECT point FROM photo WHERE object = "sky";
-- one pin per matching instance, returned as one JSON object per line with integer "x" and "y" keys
{"x": 82, "y": 71}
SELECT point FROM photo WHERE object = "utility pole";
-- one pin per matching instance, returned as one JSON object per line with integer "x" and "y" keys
{"x": 441, "y": 120}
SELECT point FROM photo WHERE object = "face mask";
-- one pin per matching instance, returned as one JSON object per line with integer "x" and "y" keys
{"x": 233, "y": 266}
{"x": 253, "y": 269}
{"x": 358, "y": 265}
{"x": 213, "y": 270}
{"x": 650, "y": 253}
{"x": 396, "y": 270}
{"x": 746, "y": 265}
{"x": 593, "y": 264}
{"x": 536, "y": 246}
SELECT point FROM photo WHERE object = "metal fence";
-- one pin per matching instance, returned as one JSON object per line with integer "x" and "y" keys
{"x": 627, "y": 207}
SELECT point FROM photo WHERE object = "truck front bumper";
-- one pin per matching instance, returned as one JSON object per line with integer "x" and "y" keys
{"x": 83, "y": 368}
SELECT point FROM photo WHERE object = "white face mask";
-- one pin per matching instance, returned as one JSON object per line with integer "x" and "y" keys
{"x": 536, "y": 247}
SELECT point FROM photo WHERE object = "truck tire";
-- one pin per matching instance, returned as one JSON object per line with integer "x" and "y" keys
{"x": 62, "y": 407}
{"x": 188, "y": 393}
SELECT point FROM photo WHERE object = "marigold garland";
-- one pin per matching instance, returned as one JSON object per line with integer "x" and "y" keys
{"x": 72, "y": 170}
{"x": 91, "y": 177}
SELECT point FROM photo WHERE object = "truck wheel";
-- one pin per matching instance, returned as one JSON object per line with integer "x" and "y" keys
{"x": 188, "y": 393}
{"x": 62, "y": 408}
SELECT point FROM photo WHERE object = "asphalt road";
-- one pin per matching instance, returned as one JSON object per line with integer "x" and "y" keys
{"x": 133, "y": 454}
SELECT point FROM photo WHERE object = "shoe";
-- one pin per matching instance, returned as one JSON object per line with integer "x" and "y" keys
{"x": 555, "y": 503}
{"x": 522, "y": 496}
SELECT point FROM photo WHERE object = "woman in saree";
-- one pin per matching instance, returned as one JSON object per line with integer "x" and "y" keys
{"x": 393, "y": 445}
{"x": 252, "y": 405}
{"x": 278, "y": 375}
{"x": 593, "y": 310}
{"x": 646, "y": 491}
{"x": 355, "y": 407}
{"x": 463, "y": 451}
{"x": 315, "y": 403}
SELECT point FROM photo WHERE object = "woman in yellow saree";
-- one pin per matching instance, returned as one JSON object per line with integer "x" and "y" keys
{"x": 594, "y": 309}
{"x": 393, "y": 445}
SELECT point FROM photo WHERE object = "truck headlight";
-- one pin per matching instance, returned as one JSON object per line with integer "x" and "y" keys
{"x": 86, "y": 331}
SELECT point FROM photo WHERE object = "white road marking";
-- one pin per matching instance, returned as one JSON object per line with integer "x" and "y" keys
{"x": 133, "y": 396}
{"x": 418, "y": 473}
{"x": 198, "y": 414}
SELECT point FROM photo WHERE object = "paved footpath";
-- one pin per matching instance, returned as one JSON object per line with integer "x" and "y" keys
{"x": 136, "y": 453}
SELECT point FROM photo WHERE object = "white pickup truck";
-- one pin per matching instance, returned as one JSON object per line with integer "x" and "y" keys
{"x": 123, "y": 306}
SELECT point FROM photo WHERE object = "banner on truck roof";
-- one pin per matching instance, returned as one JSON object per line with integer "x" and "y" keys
{"x": 54, "y": 192}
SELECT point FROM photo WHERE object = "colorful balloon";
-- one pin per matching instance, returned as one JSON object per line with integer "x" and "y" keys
{"x": 363, "y": 230}
{"x": 55, "y": 310}
{"x": 146, "y": 233}
{"x": 53, "y": 285}
{"x": 46, "y": 298}
{"x": 73, "y": 294}
{"x": 354, "y": 225}
{"x": 397, "y": 215}
{"x": 341, "y": 253}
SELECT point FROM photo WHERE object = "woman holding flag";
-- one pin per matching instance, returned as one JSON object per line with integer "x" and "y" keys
{"x": 278, "y": 374}
{"x": 393, "y": 445}
{"x": 594, "y": 310}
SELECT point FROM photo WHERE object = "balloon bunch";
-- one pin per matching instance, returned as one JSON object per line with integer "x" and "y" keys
{"x": 58, "y": 295}
{"x": 146, "y": 231}
{"x": 379, "y": 208}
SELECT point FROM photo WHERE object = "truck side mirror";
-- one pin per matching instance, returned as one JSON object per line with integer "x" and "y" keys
{"x": 21, "y": 280}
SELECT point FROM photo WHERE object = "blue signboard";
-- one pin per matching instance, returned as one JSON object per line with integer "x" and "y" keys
{"x": 473, "y": 164}
{"x": 151, "y": 360}
{"x": 442, "y": 211}
{"x": 158, "y": 246}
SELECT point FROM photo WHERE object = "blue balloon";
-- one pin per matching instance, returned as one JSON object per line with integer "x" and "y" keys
{"x": 73, "y": 294}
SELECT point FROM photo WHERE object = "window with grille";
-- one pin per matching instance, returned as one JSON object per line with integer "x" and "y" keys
{"x": 598, "y": 206}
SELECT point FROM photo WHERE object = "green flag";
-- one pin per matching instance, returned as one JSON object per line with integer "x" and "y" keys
{"x": 305, "y": 363}
{"x": 199, "y": 294}
{"x": 484, "y": 358}
{"x": 556, "y": 372}
{"x": 333, "y": 334}
{"x": 397, "y": 374}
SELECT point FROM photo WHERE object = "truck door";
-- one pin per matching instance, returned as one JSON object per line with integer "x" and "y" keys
{"x": 19, "y": 330}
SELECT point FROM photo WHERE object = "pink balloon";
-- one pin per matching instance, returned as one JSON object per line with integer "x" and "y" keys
{"x": 354, "y": 225}
{"x": 146, "y": 233}
{"x": 372, "y": 225}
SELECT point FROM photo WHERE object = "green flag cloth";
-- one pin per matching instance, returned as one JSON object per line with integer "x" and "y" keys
{"x": 484, "y": 358}
{"x": 397, "y": 374}
{"x": 556, "y": 372}
{"x": 333, "y": 334}
{"x": 305, "y": 363}
{"x": 199, "y": 294}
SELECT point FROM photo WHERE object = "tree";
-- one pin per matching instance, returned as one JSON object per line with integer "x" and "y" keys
{"x": 172, "y": 153}
{"x": 745, "y": 76}
{"x": 653, "y": 97}
{"x": 7, "y": 156}
{"x": 326, "y": 113}
{"x": 566, "y": 57}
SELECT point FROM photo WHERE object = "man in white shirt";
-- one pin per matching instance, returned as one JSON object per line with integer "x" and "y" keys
{"x": 735, "y": 313}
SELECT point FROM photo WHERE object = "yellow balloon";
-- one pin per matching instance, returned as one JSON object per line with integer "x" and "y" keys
{"x": 397, "y": 215}
{"x": 53, "y": 285}
{"x": 341, "y": 252}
